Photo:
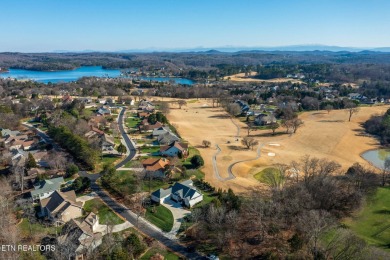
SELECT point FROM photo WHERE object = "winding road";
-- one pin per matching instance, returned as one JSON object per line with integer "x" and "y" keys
{"x": 139, "y": 223}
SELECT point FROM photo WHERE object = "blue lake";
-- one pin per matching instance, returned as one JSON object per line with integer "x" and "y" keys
{"x": 73, "y": 75}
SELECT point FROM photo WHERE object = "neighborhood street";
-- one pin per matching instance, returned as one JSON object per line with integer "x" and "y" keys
{"x": 129, "y": 144}
{"x": 139, "y": 223}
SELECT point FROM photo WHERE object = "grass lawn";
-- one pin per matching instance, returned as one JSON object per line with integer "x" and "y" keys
{"x": 165, "y": 253}
{"x": 132, "y": 122}
{"x": 372, "y": 223}
{"x": 261, "y": 176}
{"x": 124, "y": 182}
{"x": 110, "y": 159}
{"x": 106, "y": 215}
{"x": 153, "y": 149}
{"x": 162, "y": 217}
{"x": 37, "y": 228}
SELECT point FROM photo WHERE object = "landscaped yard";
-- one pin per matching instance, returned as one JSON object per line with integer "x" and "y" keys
{"x": 132, "y": 122}
{"x": 160, "y": 216}
{"x": 106, "y": 215}
{"x": 372, "y": 223}
{"x": 37, "y": 228}
{"x": 165, "y": 253}
{"x": 150, "y": 149}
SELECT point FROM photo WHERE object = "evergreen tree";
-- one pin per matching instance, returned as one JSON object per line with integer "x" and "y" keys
{"x": 121, "y": 149}
{"x": 30, "y": 163}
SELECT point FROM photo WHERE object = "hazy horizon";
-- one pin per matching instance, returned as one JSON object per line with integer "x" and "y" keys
{"x": 47, "y": 26}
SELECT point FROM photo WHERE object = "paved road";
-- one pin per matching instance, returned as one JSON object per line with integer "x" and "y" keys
{"x": 43, "y": 135}
{"x": 140, "y": 224}
{"x": 257, "y": 157}
{"x": 129, "y": 144}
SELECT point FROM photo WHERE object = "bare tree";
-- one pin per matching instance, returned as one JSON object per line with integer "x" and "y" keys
{"x": 249, "y": 142}
{"x": 56, "y": 160}
{"x": 181, "y": 103}
{"x": 352, "y": 109}
{"x": 295, "y": 124}
{"x": 273, "y": 126}
{"x": 233, "y": 109}
{"x": 328, "y": 108}
{"x": 313, "y": 225}
{"x": 206, "y": 143}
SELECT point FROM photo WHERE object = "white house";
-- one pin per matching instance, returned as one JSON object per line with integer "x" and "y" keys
{"x": 174, "y": 149}
{"x": 183, "y": 192}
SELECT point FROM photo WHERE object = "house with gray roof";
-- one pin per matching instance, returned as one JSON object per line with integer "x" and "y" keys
{"x": 183, "y": 192}
{"x": 45, "y": 188}
{"x": 167, "y": 138}
{"x": 161, "y": 130}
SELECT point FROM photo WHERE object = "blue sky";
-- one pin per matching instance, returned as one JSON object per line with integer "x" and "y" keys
{"x": 36, "y": 26}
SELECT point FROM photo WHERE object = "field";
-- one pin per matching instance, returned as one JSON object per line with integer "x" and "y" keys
{"x": 373, "y": 222}
{"x": 240, "y": 77}
{"x": 323, "y": 135}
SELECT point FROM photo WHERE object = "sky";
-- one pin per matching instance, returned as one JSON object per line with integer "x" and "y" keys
{"x": 115, "y": 25}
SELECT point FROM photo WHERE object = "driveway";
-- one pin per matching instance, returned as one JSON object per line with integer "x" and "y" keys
{"x": 178, "y": 214}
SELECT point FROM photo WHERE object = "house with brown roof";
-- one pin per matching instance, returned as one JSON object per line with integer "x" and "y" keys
{"x": 94, "y": 132}
{"x": 61, "y": 206}
{"x": 174, "y": 149}
{"x": 142, "y": 114}
{"x": 155, "y": 167}
{"x": 148, "y": 127}
{"x": 82, "y": 235}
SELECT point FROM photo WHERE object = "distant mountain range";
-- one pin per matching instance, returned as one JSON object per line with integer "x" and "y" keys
{"x": 298, "y": 48}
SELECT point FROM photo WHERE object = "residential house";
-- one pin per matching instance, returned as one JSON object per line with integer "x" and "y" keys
{"x": 45, "y": 188}
{"x": 143, "y": 114}
{"x": 167, "y": 138}
{"x": 161, "y": 130}
{"x": 149, "y": 127}
{"x": 83, "y": 235}
{"x": 61, "y": 206}
{"x": 108, "y": 143}
{"x": 94, "y": 132}
{"x": 264, "y": 119}
{"x": 183, "y": 192}
{"x": 98, "y": 121}
{"x": 174, "y": 149}
{"x": 104, "y": 111}
{"x": 155, "y": 167}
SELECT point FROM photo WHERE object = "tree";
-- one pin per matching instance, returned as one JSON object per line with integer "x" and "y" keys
{"x": 197, "y": 161}
{"x": 352, "y": 109}
{"x": 233, "y": 109}
{"x": 71, "y": 170}
{"x": 287, "y": 124}
{"x": 181, "y": 103}
{"x": 206, "y": 143}
{"x": 273, "y": 126}
{"x": 249, "y": 142}
{"x": 121, "y": 148}
{"x": 164, "y": 107}
{"x": 30, "y": 163}
{"x": 80, "y": 184}
{"x": 328, "y": 108}
{"x": 296, "y": 123}
{"x": 134, "y": 245}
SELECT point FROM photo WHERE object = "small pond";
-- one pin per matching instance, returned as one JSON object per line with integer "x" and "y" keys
{"x": 377, "y": 157}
